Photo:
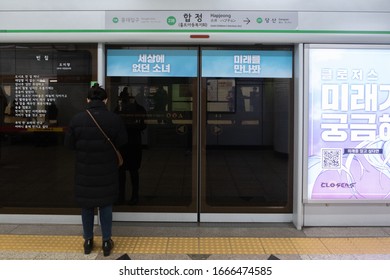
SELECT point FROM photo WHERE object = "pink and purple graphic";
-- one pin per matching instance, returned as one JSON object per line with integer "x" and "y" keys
{"x": 349, "y": 123}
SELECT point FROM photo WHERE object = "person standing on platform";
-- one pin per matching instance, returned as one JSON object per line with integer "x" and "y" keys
{"x": 96, "y": 165}
{"x": 134, "y": 116}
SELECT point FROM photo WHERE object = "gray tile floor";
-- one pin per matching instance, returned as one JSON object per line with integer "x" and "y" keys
{"x": 130, "y": 229}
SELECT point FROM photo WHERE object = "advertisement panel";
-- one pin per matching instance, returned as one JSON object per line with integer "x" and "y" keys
{"x": 348, "y": 123}
{"x": 152, "y": 63}
{"x": 246, "y": 64}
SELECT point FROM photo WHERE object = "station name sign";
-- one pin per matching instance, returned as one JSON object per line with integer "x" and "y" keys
{"x": 200, "y": 20}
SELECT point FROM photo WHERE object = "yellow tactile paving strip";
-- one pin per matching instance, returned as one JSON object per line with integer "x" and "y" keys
{"x": 201, "y": 245}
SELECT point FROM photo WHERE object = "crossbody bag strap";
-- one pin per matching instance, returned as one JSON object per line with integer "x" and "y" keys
{"x": 97, "y": 124}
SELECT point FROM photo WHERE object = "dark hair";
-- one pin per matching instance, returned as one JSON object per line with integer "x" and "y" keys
{"x": 124, "y": 93}
{"x": 96, "y": 92}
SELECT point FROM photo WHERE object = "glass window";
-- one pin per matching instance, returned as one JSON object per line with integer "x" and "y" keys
{"x": 161, "y": 174}
{"x": 247, "y": 154}
{"x": 42, "y": 87}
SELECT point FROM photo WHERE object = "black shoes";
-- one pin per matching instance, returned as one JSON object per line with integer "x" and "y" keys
{"x": 88, "y": 245}
{"x": 107, "y": 247}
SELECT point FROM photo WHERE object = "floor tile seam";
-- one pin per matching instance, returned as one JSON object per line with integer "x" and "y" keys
{"x": 331, "y": 252}
{"x": 354, "y": 248}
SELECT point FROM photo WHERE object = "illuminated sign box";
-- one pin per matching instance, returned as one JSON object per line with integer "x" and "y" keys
{"x": 152, "y": 63}
{"x": 246, "y": 64}
{"x": 348, "y": 152}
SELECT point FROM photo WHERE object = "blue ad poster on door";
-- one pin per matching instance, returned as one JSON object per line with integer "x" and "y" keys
{"x": 152, "y": 63}
{"x": 247, "y": 63}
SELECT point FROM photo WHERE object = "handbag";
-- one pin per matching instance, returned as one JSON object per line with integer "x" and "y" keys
{"x": 118, "y": 154}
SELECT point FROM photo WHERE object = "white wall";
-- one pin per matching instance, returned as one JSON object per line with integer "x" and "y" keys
{"x": 331, "y": 21}
{"x": 281, "y": 5}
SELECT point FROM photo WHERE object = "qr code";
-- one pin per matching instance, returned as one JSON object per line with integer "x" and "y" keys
{"x": 331, "y": 158}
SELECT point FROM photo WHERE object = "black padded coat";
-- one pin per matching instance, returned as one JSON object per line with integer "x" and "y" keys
{"x": 96, "y": 170}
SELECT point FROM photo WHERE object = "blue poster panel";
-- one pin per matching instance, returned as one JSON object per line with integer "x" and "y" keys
{"x": 247, "y": 64}
{"x": 152, "y": 63}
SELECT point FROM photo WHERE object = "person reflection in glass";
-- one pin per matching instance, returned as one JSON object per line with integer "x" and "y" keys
{"x": 255, "y": 100}
{"x": 133, "y": 115}
{"x": 160, "y": 99}
{"x": 240, "y": 100}
{"x": 160, "y": 104}
{"x": 231, "y": 96}
{"x": 52, "y": 113}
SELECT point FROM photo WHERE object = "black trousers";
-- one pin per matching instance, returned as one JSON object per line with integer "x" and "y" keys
{"x": 134, "y": 178}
